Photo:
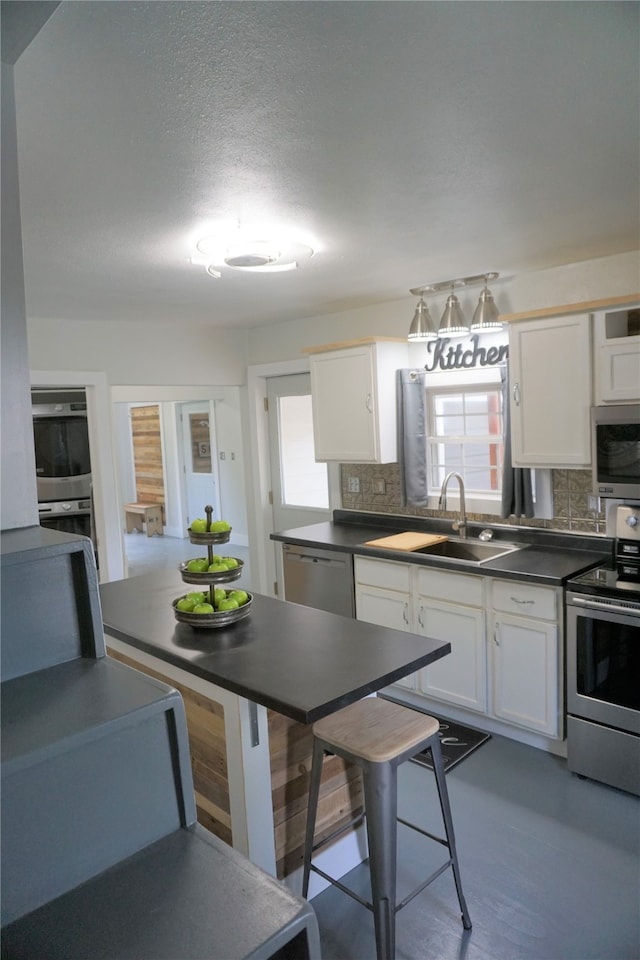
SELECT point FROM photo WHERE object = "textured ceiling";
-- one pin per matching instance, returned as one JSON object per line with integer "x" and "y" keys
{"x": 414, "y": 141}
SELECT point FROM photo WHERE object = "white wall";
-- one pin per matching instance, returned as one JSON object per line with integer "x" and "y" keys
{"x": 140, "y": 353}
{"x": 19, "y": 493}
{"x": 589, "y": 280}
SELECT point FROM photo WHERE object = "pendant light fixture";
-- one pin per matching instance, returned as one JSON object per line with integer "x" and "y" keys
{"x": 422, "y": 325}
{"x": 486, "y": 316}
{"x": 453, "y": 323}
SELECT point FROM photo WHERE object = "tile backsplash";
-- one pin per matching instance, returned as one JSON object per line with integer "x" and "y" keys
{"x": 376, "y": 488}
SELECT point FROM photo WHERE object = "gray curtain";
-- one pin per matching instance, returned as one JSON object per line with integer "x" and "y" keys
{"x": 517, "y": 488}
{"x": 412, "y": 437}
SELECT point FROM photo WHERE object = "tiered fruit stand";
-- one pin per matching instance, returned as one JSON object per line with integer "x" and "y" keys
{"x": 209, "y": 580}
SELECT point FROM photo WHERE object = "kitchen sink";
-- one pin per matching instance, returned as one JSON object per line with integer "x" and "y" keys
{"x": 468, "y": 551}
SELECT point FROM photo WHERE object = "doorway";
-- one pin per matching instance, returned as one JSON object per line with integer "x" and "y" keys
{"x": 199, "y": 459}
{"x": 299, "y": 483}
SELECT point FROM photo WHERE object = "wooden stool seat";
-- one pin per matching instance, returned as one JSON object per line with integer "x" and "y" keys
{"x": 378, "y": 735}
{"x": 376, "y": 729}
{"x": 148, "y": 513}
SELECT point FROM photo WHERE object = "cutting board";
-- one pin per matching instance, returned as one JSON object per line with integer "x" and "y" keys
{"x": 406, "y": 541}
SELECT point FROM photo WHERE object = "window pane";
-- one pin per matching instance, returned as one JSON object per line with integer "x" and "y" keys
{"x": 304, "y": 482}
{"x": 465, "y": 435}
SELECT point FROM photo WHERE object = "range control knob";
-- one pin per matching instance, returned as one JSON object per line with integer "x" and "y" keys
{"x": 632, "y": 520}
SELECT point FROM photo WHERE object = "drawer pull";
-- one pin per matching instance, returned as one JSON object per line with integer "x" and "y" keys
{"x": 521, "y": 602}
{"x": 368, "y": 403}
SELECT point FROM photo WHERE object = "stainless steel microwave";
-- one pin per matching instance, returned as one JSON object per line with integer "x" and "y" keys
{"x": 615, "y": 450}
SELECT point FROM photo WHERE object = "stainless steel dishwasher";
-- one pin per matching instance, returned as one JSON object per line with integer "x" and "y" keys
{"x": 319, "y": 578}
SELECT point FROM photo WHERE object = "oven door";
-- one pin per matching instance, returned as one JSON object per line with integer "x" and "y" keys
{"x": 63, "y": 460}
{"x": 603, "y": 661}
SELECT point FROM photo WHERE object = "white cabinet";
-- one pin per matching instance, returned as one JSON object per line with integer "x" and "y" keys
{"x": 353, "y": 394}
{"x": 617, "y": 355}
{"x": 506, "y": 638}
{"x": 450, "y": 606}
{"x": 383, "y": 596}
{"x": 525, "y": 656}
{"x": 551, "y": 394}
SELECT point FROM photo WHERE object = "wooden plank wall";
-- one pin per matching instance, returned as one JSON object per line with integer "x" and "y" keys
{"x": 207, "y": 746}
{"x": 291, "y": 746}
{"x": 147, "y": 455}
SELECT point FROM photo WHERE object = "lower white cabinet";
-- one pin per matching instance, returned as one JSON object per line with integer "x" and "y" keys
{"x": 525, "y": 656}
{"x": 506, "y": 638}
{"x": 383, "y": 596}
{"x": 450, "y": 607}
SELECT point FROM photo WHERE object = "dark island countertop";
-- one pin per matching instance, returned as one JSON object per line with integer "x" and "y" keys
{"x": 543, "y": 557}
{"x": 301, "y": 662}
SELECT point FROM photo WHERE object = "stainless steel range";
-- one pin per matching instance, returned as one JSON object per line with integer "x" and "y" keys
{"x": 603, "y": 663}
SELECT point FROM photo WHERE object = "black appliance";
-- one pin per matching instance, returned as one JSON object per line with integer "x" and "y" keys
{"x": 603, "y": 663}
{"x": 61, "y": 440}
{"x": 68, "y": 516}
{"x": 615, "y": 444}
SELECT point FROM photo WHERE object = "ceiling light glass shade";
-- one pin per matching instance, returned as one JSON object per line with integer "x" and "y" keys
{"x": 486, "y": 316}
{"x": 422, "y": 325}
{"x": 453, "y": 323}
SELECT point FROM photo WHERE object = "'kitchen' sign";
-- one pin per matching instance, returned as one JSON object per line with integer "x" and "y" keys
{"x": 458, "y": 358}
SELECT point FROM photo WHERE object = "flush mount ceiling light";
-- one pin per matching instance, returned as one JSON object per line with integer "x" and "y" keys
{"x": 250, "y": 250}
{"x": 453, "y": 323}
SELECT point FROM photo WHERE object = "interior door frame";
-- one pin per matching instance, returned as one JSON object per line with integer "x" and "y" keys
{"x": 266, "y": 563}
{"x": 180, "y": 413}
{"x": 106, "y": 500}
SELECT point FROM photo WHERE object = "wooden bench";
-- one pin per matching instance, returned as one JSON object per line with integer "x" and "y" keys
{"x": 150, "y": 514}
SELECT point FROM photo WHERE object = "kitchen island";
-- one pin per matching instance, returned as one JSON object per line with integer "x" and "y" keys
{"x": 251, "y": 691}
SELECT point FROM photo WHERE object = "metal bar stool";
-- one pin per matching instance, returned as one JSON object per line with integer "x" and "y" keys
{"x": 378, "y": 735}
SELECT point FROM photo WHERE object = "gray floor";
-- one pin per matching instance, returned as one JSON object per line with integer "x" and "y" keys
{"x": 549, "y": 866}
{"x": 145, "y": 554}
{"x": 550, "y": 863}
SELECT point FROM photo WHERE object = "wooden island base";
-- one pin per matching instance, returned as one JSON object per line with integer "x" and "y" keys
{"x": 290, "y": 749}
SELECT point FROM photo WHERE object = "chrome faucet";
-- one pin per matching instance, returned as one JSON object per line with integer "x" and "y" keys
{"x": 461, "y": 524}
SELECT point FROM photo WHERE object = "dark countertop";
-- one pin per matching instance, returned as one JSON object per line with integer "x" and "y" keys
{"x": 301, "y": 662}
{"x": 544, "y": 557}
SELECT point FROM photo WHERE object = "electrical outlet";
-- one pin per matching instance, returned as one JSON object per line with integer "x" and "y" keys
{"x": 379, "y": 485}
{"x": 594, "y": 503}
{"x": 353, "y": 484}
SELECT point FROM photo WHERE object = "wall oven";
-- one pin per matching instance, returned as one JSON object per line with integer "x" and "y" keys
{"x": 603, "y": 664}
{"x": 61, "y": 440}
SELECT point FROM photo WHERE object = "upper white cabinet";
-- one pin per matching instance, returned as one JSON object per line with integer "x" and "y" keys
{"x": 551, "y": 393}
{"x": 617, "y": 355}
{"x": 353, "y": 393}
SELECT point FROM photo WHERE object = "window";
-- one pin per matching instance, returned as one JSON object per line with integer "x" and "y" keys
{"x": 465, "y": 434}
{"x": 304, "y": 481}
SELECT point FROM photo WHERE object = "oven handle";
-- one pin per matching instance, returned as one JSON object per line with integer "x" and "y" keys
{"x": 597, "y": 605}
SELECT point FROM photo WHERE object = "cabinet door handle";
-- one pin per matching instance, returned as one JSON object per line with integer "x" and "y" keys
{"x": 368, "y": 403}
{"x": 522, "y": 603}
{"x": 420, "y": 619}
{"x": 405, "y": 613}
{"x": 516, "y": 394}
{"x": 496, "y": 635}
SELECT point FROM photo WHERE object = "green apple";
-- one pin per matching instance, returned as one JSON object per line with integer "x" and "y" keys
{"x": 217, "y": 558}
{"x": 240, "y": 595}
{"x": 218, "y": 568}
{"x": 228, "y": 604}
{"x": 196, "y": 595}
{"x": 219, "y": 594}
{"x": 230, "y": 562}
{"x": 198, "y": 565}
{"x": 199, "y": 525}
{"x": 185, "y": 604}
{"x": 219, "y": 526}
{"x": 203, "y": 608}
